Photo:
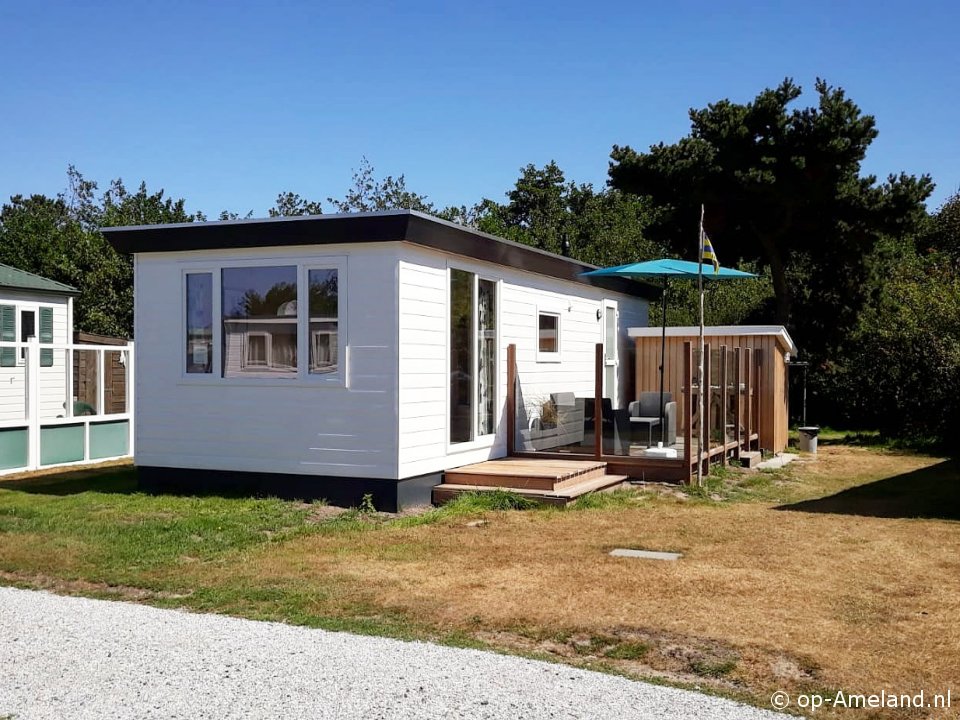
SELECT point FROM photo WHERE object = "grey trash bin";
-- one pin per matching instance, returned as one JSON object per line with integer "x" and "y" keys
{"x": 808, "y": 439}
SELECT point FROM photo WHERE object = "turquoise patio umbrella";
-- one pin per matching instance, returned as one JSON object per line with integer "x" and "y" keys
{"x": 664, "y": 269}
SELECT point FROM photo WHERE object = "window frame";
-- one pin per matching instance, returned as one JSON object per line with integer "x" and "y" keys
{"x": 215, "y": 350}
{"x": 267, "y": 349}
{"x": 304, "y": 334}
{"x": 20, "y": 309}
{"x": 303, "y": 376}
{"x": 476, "y": 441}
{"x": 314, "y": 336}
{"x": 546, "y": 356}
{"x": 47, "y": 354}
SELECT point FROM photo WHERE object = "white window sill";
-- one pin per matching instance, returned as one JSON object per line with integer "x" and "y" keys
{"x": 483, "y": 443}
{"x": 293, "y": 382}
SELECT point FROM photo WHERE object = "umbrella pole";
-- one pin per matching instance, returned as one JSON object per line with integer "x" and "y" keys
{"x": 700, "y": 368}
{"x": 663, "y": 350}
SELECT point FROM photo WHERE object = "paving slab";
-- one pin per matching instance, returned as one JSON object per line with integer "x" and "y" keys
{"x": 776, "y": 462}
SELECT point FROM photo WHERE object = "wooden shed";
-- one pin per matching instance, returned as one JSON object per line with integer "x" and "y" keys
{"x": 771, "y": 349}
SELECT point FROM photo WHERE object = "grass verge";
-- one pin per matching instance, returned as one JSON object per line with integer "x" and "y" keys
{"x": 827, "y": 574}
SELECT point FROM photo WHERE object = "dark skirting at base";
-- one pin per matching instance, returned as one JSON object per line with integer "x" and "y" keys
{"x": 387, "y": 495}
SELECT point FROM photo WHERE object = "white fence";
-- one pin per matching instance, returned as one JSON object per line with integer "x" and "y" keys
{"x": 64, "y": 404}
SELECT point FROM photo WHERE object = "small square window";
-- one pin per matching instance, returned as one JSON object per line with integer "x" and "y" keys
{"x": 548, "y": 336}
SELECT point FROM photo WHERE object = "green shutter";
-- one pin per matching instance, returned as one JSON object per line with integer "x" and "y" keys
{"x": 8, "y": 333}
{"x": 46, "y": 335}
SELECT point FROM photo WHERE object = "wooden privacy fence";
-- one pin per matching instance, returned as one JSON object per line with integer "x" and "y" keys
{"x": 65, "y": 403}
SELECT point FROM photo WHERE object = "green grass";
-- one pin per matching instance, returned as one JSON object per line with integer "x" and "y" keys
{"x": 607, "y": 500}
{"x": 113, "y": 532}
{"x": 628, "y": 651}
{"x": 477, "y": 502}
{"x": 278, "y": 560}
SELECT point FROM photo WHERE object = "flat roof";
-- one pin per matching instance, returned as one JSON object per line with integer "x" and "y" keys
{"x": 719, "y": 331}
{"x": 388, "y": 226}
{"x": 11, "y": 277}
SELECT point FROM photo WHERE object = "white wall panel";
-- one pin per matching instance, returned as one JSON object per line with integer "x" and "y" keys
{"x": 424, "y": 363}
{"x": 287, "y": 426}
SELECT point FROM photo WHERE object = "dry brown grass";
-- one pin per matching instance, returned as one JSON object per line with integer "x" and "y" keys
{"x": 850, "y": 592}
{"x": 763, "y": 599}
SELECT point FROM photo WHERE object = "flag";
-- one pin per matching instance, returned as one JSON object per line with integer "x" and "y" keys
{"x": 707, "y": 252}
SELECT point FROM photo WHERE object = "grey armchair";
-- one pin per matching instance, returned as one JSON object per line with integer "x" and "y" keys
{"x": 645, "y": 413}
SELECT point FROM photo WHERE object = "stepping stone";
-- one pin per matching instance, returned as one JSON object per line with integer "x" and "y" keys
{"x": 645, "y": 554}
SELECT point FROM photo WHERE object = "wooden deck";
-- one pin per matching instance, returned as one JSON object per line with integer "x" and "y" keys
{"x": 548, "y": 480}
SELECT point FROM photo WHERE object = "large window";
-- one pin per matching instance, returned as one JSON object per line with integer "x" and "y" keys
{"x": 473, "y": 356}
{"x": 259, "y": 321}
{"x": 199, "y": 322}
{"x": 264, "y": 322}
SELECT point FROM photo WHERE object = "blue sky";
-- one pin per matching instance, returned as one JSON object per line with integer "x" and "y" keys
{"x": 227, "y": 104}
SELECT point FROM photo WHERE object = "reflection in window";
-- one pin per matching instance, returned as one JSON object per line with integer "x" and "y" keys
{"x": 486, "y": 356}
{"x": 324, "y": 343}
{"x": 259, "y": 321}
{"x": 461, "y": 355}
{"x": 199, "y": 322}
{"x": 549, "y": 333}
{"x": 256, "y": 353}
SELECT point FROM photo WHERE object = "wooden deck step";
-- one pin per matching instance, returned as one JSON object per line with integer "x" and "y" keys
{"x": 750, "y": 458}
{"x": 526, "y": 474}
{"x": 561, "y": 496}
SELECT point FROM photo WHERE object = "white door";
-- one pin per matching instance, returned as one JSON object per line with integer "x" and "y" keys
{"x": 610, "y": 355}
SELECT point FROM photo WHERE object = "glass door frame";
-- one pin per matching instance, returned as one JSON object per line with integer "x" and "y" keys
{"x": 476, "y": 441}
{"x": 611, "y": 360}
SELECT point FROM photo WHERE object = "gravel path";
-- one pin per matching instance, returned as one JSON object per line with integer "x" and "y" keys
{"x": 66, "y": 657}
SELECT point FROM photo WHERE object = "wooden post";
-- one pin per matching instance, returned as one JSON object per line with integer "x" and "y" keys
{"x": 511, "y": 399}
{"x": 598, "y": 402}
{"x": 687, "y": 403}
{"x": 748, "y": 369}
{"x": 724, "y": 389}
{"x": 758, "y": 360}
{"x": 737, "y": 405}
{"x": 705, "y": 420}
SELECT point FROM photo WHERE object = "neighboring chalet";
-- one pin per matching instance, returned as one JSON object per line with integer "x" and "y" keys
{"x": 32, "y": 307}
{"x": 335, "y": 356}
{"x": 60, "y": 403}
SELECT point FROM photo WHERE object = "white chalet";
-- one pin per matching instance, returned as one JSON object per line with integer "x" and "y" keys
{"x": 338, "y": 355}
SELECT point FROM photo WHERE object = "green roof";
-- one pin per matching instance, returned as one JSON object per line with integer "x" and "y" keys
{"x": 10, "y": 277}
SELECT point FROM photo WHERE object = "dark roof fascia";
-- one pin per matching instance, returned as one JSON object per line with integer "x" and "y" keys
{"x": 359, "y": 228}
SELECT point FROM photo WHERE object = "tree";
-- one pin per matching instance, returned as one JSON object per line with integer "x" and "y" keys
{"x": 252, "y": 304}
{"x": 782, "y": 188}
{"x": 230, "y": 215}
{"x": 121, "y": 207}
{"x": 290, "y": 204}
{"x": 546, "y": 211}
{"x": 368, "y": 194}
{"x": 943, "y": 232}
{"x": 60, "y": 238}
{"x": 901, "y": 371}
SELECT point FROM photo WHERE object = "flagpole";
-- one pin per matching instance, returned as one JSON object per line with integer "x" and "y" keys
{"x": 700, "y": 368}
{"x": 663, "y": 353}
